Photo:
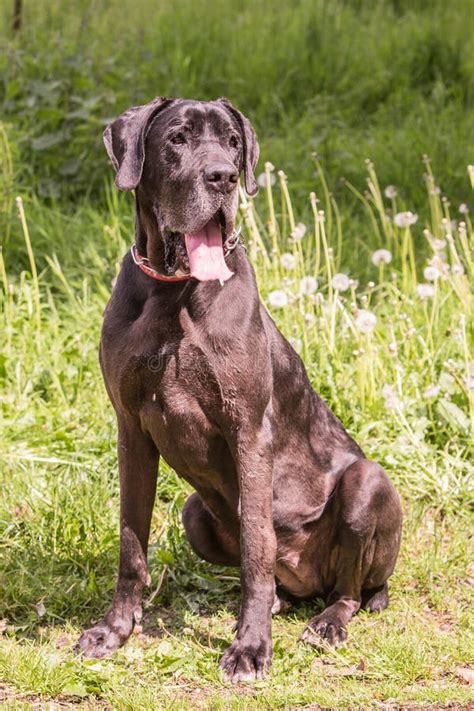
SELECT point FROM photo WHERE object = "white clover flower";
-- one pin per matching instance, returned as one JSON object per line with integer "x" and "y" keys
{"x": 463, "y": 208}
{"x": 431, "y": 392}
{"x": 457, "y": 269}
{"x": 278, "y": 299}
{"x": 340, "y": 282}
{"x": 405, "y": 219}
{"x": 425, "y": 291}
{"x": 299, "y": 232}
{"x": 365, "y": 321}
{"x": 262, "y": 179}
{"x": 308, "y": 285}
{"x": 431, "y": 273}
{"x": 288, "y": 260}
{"x": 381, "y": 256}
{"x": 390, "y": 192}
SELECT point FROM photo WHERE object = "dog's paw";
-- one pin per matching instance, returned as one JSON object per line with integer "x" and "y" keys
{"x": 99, "y": 641}
{"x": 321, "y": 631}
{"x": 246, "y": 663}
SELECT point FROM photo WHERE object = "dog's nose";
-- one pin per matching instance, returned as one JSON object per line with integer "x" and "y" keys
{"x": 222, "y": 177}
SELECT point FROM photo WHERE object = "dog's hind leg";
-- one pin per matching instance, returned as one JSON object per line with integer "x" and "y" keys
{"x": 368, "y": 531}
{"x": 375, "y": 599}
{"x": 213, "y": 543}
{"x": 138, "y": 467}
{"x": 209, "y": 540}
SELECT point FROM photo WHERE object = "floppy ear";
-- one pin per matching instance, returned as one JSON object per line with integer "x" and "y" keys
{"x": 125, "y": 138}
{"x": 250, "y": 146}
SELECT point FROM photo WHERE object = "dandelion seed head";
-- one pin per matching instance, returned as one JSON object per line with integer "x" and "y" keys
{"x": 288, "y": 260}
{"x": 390, "y": 397}
{"x": 390, "y": 192}
{"x": 299, "y": 232}
{"x": 340, "y": 282}
{"x": 365, "y": 321}
{"x": 438, "y": 244}
{"x": 405, "y": 219}
{"x": 381, "y": 256}
{"x": 463, "y": 208}
{"x": 308, "y": 285}
{"x": 262, "y": 179}
{"x": 431, "y": 273}
{"x": 425, "y": 291}
{"x": 278, "y": 299}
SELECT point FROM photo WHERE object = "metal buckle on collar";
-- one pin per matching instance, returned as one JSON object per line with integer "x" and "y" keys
{"x": 137, "y": 258}
{"x": 231, "y": 242}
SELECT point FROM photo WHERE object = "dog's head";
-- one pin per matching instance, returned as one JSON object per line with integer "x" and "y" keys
{"x": 184, "y": 159}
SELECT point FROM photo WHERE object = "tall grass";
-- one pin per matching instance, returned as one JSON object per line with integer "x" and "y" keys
{"x": 347, "y": 79}
{"x": 387, "y": 343}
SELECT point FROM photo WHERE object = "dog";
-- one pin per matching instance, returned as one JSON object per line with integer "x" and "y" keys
{"x": 281, "y": 489}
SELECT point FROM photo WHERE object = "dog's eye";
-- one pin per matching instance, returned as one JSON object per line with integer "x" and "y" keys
{"x": 234, "y": 141}
{"x": 178, "y": 139}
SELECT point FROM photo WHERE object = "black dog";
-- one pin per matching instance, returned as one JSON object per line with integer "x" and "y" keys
{"x": 281, "y": 489}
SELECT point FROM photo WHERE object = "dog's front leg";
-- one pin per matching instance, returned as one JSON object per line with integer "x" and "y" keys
{"x": 251, "y": 652}
{"x": 138, "y": 468}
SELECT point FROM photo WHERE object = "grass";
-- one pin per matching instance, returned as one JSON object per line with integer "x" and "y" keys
{"x": 391, "y": 353}
{"x": 402, "y": 384}
{"x": 348, "y": 79}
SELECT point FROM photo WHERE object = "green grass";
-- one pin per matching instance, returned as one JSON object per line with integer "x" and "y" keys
{"x": 404, "y": 389}
{"x": 349, "y": 79}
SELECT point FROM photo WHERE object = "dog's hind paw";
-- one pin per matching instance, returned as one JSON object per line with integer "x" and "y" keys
{"x": 322, "y": 631}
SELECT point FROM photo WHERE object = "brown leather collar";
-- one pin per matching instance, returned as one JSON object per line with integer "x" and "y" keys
{"x": 229, "y": 245}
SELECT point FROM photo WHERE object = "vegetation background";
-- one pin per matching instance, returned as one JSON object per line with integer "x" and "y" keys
{"x": 347, "y": 80}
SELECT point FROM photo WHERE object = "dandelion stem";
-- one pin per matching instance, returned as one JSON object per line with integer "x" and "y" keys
{"x": 31, "y": 257}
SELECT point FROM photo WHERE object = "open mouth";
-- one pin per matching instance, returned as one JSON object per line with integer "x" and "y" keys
{"x": 201, "y": 253}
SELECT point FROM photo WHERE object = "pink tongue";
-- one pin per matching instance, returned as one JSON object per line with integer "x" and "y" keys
{"x": 206, "y": 254}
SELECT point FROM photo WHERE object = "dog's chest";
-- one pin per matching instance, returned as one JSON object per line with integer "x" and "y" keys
{"x": 181, "y": 404}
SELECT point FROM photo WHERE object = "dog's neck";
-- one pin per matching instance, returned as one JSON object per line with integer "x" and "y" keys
{"x": 148, "y": 238}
